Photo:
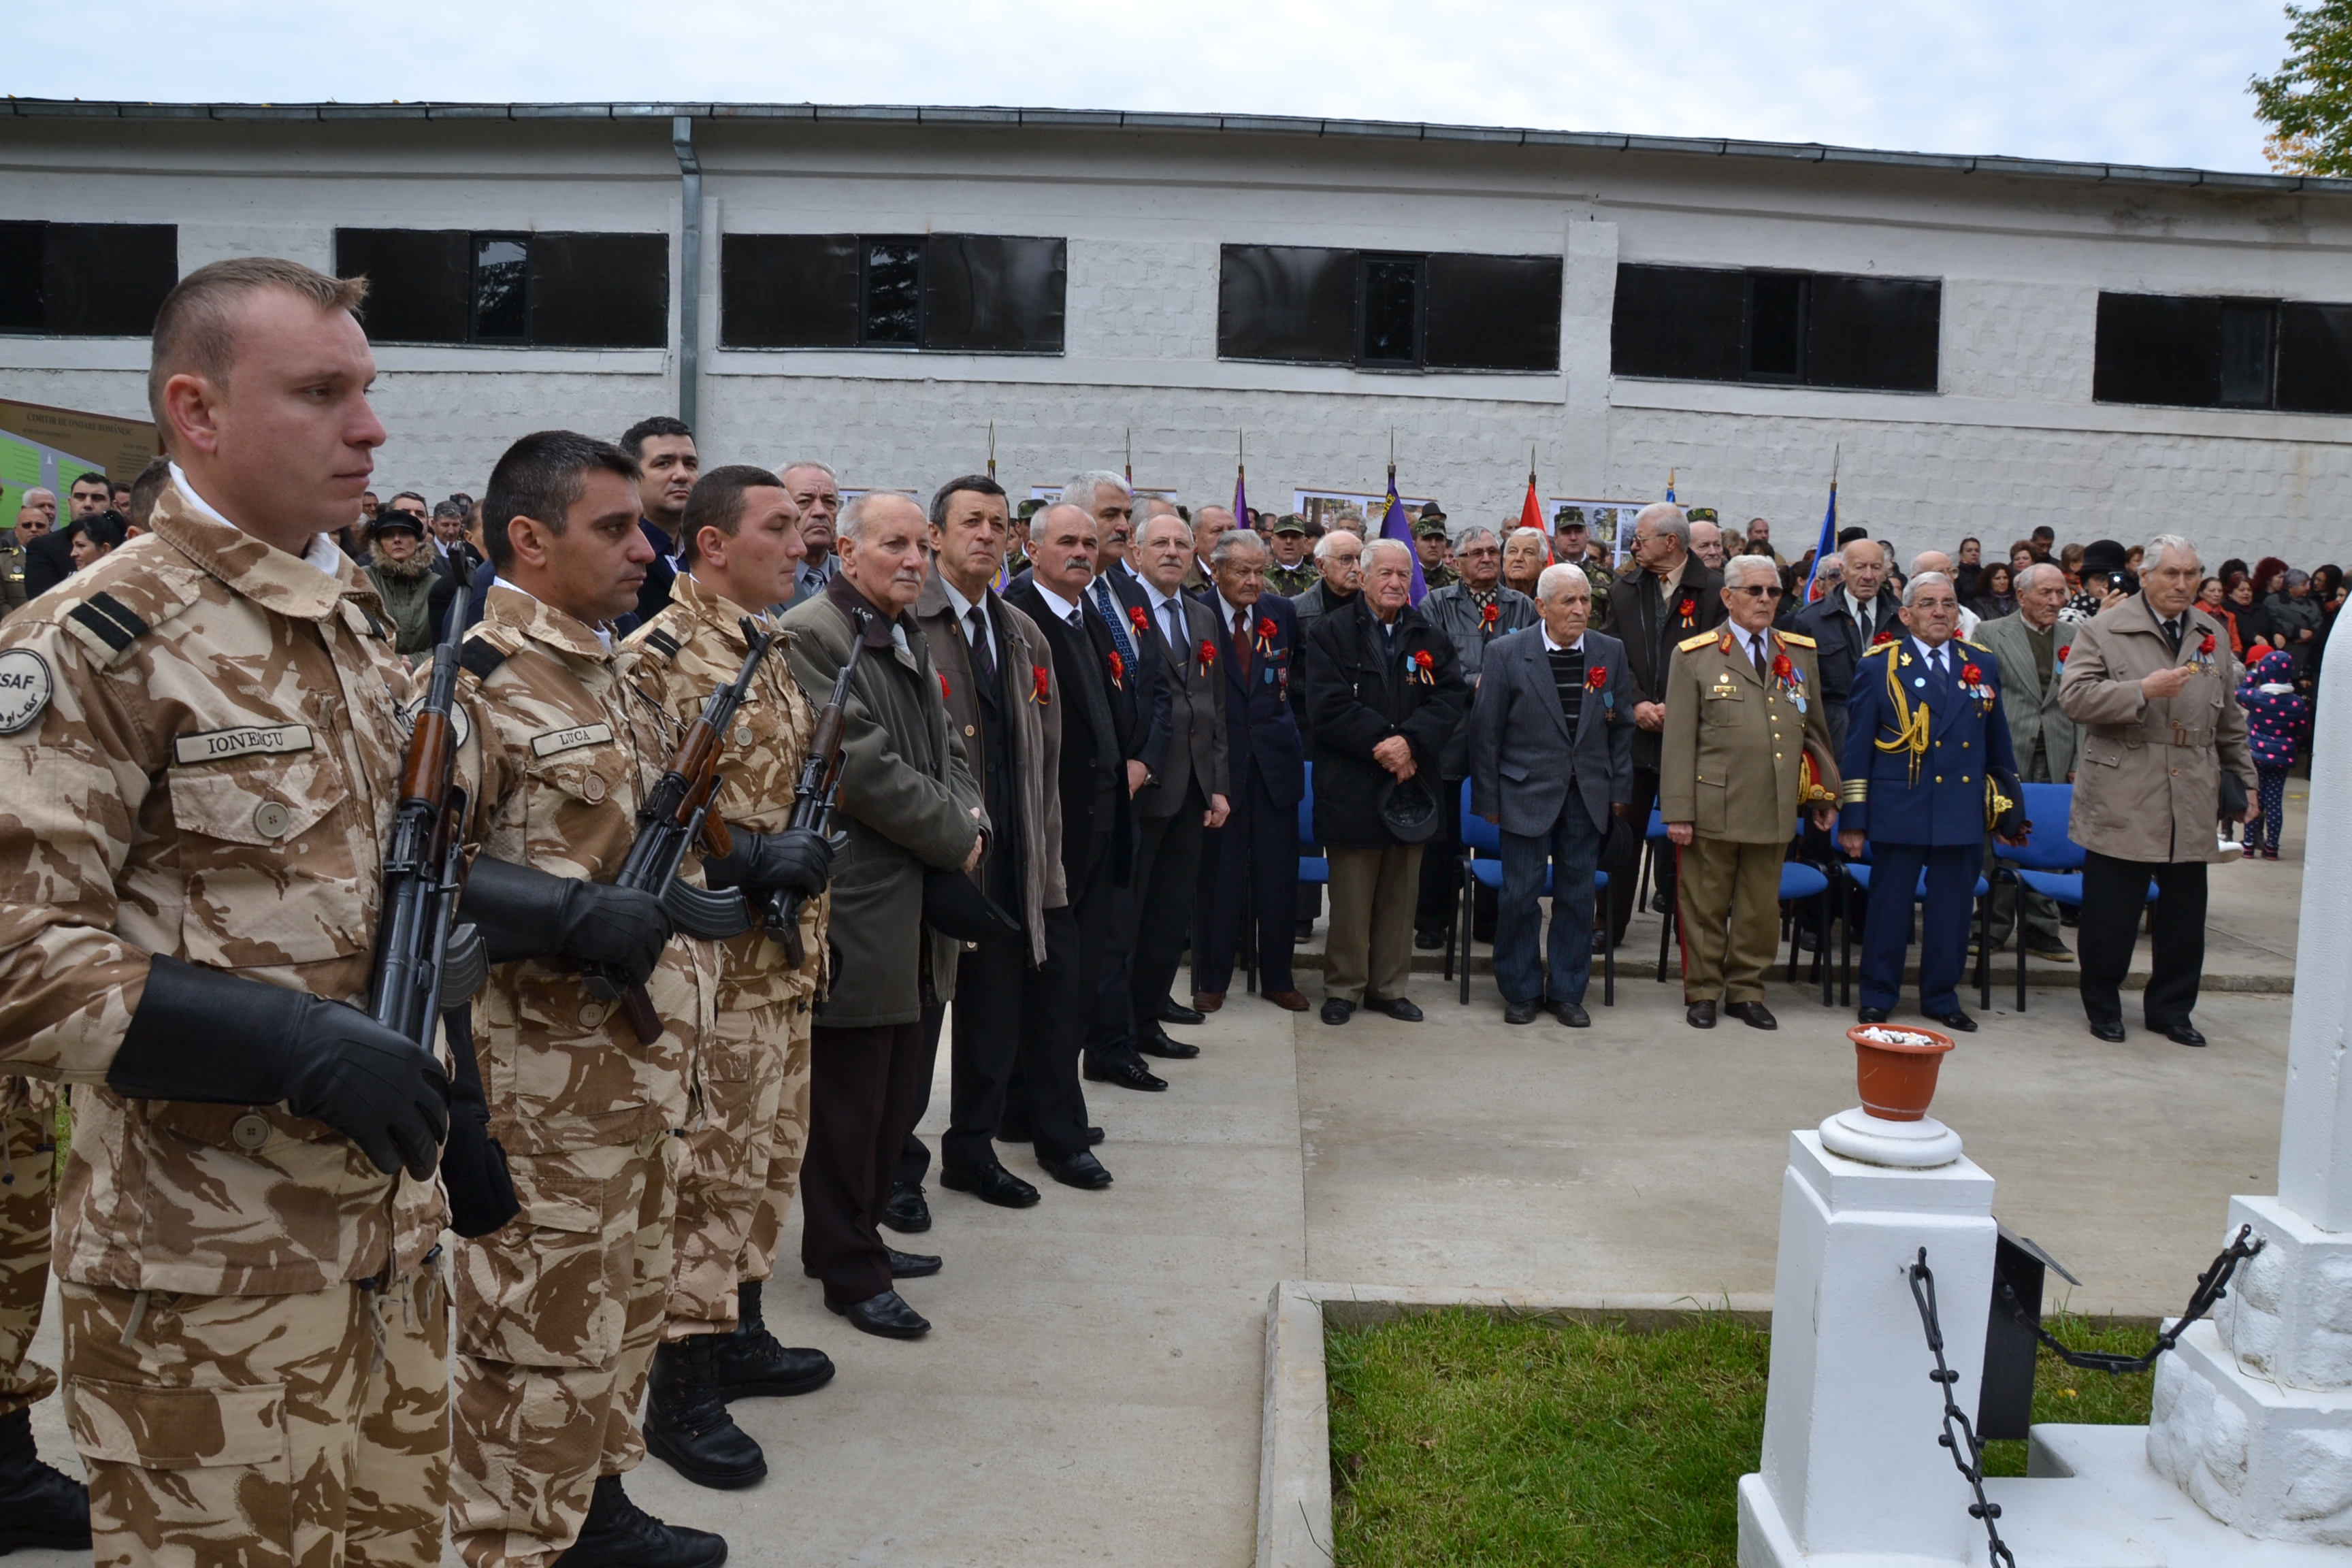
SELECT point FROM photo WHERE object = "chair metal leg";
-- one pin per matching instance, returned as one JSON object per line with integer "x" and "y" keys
{"x": 1984, "y": 951}
{"x": 1249, "y": 946}
{"x": 1468, "y": 900}
{"x": 2020, "y": 945}
{"x": 1845, "y": 951}
{"x": 1608, "y": 962}
{"x": 1452, "y": 928}
{"x": 1666, "y": 931}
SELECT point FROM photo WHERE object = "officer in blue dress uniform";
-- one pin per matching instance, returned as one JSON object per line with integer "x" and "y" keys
{"x": 1925, "y": 742}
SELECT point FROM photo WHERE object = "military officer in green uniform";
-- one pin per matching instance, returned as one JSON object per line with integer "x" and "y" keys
{"x": 1434, "y": 545}
{"x": 1747, "y": 746}
{"x": 1294, "y": 575}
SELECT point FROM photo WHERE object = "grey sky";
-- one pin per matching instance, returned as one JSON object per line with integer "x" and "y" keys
{"x": 2154, "y": 81}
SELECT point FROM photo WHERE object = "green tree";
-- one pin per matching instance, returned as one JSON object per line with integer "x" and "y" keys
{"x": 2308, "y": 103}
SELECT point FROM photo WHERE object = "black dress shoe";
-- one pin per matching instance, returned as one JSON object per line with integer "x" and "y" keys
{"x": 1398, "y": 1007}
{"x": 687, "y": 1425}
{"x": 1572, "y": 1013}
{"x": 1600, "y": 945}
{"x": 749, "y": 1363}
{"x": 885, "y": 1315}
{"x": 1429, "y": 941}
{"x": 1754, "y": 1015}
{"x": 40, "y": 1507}
{"x": 2111, "y": 1033}
{"x": 1155, "y": 1043}
{"x": 1958, "y": 1022}
{"x": 1174, "y": 1012}
{"x": 1701, "y": 1014}
{"x": 2184, "y": 1033}
{"x": 1337, "y": 1010}
{"x": 1094, "y": 1136}
{"x": 991, "y": 1185}
{"x": 617, "y": 1533}
{"x": 906, "y": 1213}
{"x": 1520, "y": 1011}
{"x": 1127, "y": 1075}
{"x": 917, "y": 1264}
{"x": 1871, "y": 1014}
{"x": 1080, "y": 1170}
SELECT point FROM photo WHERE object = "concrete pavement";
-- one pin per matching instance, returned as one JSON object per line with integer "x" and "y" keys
{"x": 1091, "y": 1391}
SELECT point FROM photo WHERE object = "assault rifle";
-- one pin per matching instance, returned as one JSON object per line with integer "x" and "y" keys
{"x": 426, "y": 968}
{"x": 675, "y": 815}
{"x": 819, "y": 789}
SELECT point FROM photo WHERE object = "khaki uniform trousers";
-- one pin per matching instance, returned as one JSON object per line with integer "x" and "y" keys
{"x": 558, "y": 1315}
{"x": 28, "y": 1162}
{"x": 1729, "y": 905}
{"x": 738, "y": 1170}
{"x": 1368, "y": 953}
{"x": 262, "y": 1430}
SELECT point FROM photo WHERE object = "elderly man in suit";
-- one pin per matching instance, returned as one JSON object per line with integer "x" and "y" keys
{"x": 1925, "y": 739}
{"x": 1385, "y": 695}
{"x": 1251, "y": 864}
{"x": 1860, "y": 609}
{"x": 1551, "y": 762}
{"x": 2032, "y": 647}
{"x": 2152, "y": 684}
{"x": 1743, "y": 711}
{"x": 1188, "y": 794}
{"x": 996, "y": 672}
{"x": 1669, "y": 595}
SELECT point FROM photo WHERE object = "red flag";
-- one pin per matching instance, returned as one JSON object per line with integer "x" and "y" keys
{"x": 1531, "y": 511}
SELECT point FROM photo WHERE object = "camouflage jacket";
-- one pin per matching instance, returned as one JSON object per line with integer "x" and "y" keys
{"x": 561, "y": 748}
{"x": 204, "y": 740}
{"x": 685, "y": 653}
{"x": 1292, "y": 581}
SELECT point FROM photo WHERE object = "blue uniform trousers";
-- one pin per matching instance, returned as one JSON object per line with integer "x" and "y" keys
{"x": 1250, "y": 863}
{"x": 1572, "y": 849}
{"x": 1944, "y": 936}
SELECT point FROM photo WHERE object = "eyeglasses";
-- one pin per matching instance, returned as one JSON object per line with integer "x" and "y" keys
{"x": 1757, "y": 593}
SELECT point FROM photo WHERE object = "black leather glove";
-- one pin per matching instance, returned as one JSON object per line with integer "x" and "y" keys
{"x": 527, "y": 913}
{"x": 797, "y": 860}
{"x": 220, "y": 1039}
{"x": 473, "y": 1164}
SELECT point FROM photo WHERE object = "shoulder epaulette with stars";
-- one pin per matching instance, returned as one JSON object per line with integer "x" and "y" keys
{"x": 1798, "y": 639}
{"x": 1689, "y": 645}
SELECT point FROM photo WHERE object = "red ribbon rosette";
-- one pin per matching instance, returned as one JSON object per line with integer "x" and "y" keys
{"x": 1596, "y": 677}
{"x": 2206, "y": 647}
{"x": 1972, "y": 675}
{"x": 1490, "y": 617}
{"x": 1882, "y": 638}
{"x": 1782, "y": 670}
{"x": 1687, "y": 610}
{"x": 1208, "y": 653}
{"x": 1117, "y": 670}
{"x": 1137, "y": 619}
{"x": 1422, "y": 667}
{"x": 1042, "y": 691}
{"x": 943, "y": 685}
{"x": 1266, "y": 631}
{"x": 2061, "y": 656}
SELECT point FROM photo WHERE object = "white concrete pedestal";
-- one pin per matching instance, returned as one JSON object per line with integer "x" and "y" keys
{"x": 1852, "y": 1469}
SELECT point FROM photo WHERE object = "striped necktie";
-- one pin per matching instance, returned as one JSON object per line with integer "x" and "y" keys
{"x": 1106, "y": 606}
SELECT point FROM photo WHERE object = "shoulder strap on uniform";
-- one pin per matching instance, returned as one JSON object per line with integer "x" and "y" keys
{"x": 661, "y": 642}
{"x": 110, "y": 620}
{"x": 1798, "y": 639}
{"x": 479, "y": 658}
{"x": 1687, "y": 644}
{"x": 1882, "y": 648}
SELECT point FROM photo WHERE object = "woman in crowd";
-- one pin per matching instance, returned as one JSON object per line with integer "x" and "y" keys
{"x": 1967, "y": 574}
{"x": 2209, "y": 598}
{"x": 1526, "y": 552}
{"x": 97, "y": 538}
{"x": 2278, "y": 720}
{"x": 2249, "y": 627}
{"x": 2020, "y": 556}
{"x": 2295, "y": 620}
{"x": 1998, "y": 597}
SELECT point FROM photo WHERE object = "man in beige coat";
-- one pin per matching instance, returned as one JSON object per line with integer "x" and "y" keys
{"x": 2154, "y": 686}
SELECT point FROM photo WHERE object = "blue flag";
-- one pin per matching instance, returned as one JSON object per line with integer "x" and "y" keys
{"x": 1394, "y": 524}
{"x": 1827, "y": 543}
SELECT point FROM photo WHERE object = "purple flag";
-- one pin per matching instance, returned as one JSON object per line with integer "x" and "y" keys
{"x": 1394, "y": 524}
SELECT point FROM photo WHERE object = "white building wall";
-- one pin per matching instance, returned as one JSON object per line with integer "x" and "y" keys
{"x": 2011, "y": 439}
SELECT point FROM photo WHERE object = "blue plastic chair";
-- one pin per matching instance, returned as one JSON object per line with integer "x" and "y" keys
{"x": 2048, "y": 862}
{"x": 1858, "y": 873}
{"x": 1480, "y": 836}
{"x": 1311, "y": 867}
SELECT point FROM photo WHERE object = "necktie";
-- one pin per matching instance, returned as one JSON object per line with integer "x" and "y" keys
{"x": 1936, "y": 663}
{"x": 1242, "y": 644}
{"x": 1861, "y": 620}
{"x": 1175, "y": 614}
{"x": 1107, "y": 605}
{"x": 1763, "y": 670}
{"x": 2172, "y": 633}
{"x": 983, "y": 657}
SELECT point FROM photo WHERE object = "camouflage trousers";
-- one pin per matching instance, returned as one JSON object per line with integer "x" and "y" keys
{"x": 309, "y": 1429}
{"x": 741, "y": 1165}
{"x": 28, "y": 1162}
{"x": 558, "y": 1315}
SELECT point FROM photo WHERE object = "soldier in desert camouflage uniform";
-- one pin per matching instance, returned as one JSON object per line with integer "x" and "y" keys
{"x": 558, "y": 1312}
{"x": 742, "y": 1158}
{"x": 201, "y": 751}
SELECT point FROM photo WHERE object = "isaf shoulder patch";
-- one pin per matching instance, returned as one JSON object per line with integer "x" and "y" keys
{"x": 25, "y": 686}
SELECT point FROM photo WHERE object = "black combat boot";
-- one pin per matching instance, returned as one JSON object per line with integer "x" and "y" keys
{"x": 620, "y": 1534}
{"x": 686, "y": 1423}
{"x": 750, "y": 1362}
{"x": 39, "y": 1507}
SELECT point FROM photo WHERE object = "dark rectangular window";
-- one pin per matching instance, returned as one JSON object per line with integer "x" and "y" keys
{"x": 537, "y": 290}
{"x": 2193, "y": 351}
{"x": 947, "y": 293}
{"x": 1795, "y": 329}
{"x": 86, "y": 279}
{"x": 1386, "y": 312}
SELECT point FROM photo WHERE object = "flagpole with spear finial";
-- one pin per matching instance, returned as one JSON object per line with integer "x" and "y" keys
{"x": 1241, "y": 487}
{"x": 1827, "y": 542}
{"x": 992, "y": 448}
{"x": 1131, "y": 459}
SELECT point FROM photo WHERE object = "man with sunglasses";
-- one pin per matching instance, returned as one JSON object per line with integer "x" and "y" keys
{"x": 1743, "y": 711}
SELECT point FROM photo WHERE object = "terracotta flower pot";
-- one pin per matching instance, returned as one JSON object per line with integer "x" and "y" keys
{"x": 1897, "y": 1075}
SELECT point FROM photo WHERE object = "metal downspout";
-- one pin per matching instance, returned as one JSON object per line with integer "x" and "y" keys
{"x": 689, "y": 260}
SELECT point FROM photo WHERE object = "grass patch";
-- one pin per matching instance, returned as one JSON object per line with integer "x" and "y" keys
{"x": 1459, "y": 1437}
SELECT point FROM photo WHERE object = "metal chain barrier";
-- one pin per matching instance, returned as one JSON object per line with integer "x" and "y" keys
{"x": 2212, "y": 1286}
{"x": 1959, "y": 1436}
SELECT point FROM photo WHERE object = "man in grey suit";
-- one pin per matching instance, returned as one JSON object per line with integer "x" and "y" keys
{"x": 1551, "y": 761}
{"x": 2032, "y": 647}
{"x": 1187, "y": 795}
